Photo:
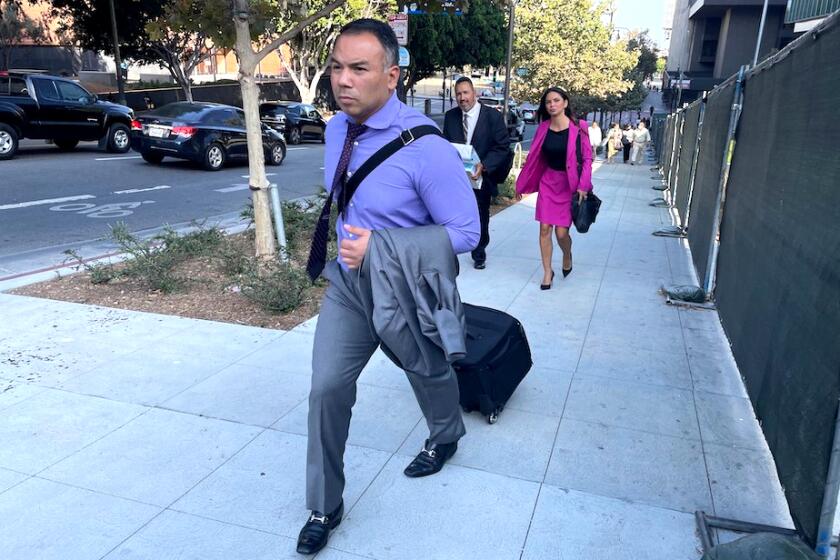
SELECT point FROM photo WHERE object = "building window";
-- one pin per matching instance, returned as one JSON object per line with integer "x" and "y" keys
{"x": 711, "y": 34}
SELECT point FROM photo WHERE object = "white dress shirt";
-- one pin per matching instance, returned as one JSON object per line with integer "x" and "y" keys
{"x": 472, "y": 120}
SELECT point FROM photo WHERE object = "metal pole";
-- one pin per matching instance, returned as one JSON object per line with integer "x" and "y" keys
{"x": 760, "y": 32}
{"x": 832, "y": 488}
{"x": 279, "y": 229}
{"x": 508, "y": 62}
{"x": 694, "y": 161}
{"x": 728, "y": 151}
{"x": 117, "y": 61}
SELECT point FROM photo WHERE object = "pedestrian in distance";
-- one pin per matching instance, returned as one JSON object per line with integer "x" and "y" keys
{"x": 484, "y": 128}
{"x": 557, "y": 172}
{"x": 641, "y": 138}
{"x": 421, "y": 184}
{"x": 595, "y": 138}
{"x": 614, "y": 144}
{"x": 626, "y": 141}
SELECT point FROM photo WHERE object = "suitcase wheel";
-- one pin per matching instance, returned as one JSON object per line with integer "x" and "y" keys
{"x": 466, "y": 409}
{"x": 493, "y": 417}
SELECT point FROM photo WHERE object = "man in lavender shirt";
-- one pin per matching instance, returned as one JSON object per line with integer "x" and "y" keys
{"x": 422, "y": 184}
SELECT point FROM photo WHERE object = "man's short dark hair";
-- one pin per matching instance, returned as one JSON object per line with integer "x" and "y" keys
{"x": 383, "y": 33}
{"x": 464, "y": 80}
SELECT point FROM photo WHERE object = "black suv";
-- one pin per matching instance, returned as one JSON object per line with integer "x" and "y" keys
{"x": 40, "y": 106}
{"x": 302, "y": 121}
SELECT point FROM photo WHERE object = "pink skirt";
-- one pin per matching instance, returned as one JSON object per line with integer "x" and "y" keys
{"x": 554, "y": 201}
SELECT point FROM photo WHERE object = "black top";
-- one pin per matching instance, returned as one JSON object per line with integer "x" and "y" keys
{"x": 554, "y": 149}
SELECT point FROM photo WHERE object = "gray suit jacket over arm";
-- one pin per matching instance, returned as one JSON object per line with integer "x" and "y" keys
{"x": 409, "y": 277}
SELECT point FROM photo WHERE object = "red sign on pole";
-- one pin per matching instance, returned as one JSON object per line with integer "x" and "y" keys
{"x": 399, "y": 23}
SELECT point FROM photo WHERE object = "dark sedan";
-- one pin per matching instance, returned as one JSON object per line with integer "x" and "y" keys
{"x": 206, "y": 133}
{"x": 298, "y": 121}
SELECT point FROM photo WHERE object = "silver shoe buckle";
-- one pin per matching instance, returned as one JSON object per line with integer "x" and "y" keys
{"x": 430, "y": 452}
{"x": 319, "y": 518}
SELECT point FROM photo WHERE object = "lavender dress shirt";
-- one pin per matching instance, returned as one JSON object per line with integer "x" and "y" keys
{"x": 422, "y": 184}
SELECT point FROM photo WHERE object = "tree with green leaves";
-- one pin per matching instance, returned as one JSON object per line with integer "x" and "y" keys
{"x": 648, "y": 55}
{"x": 255, "y": 28}
{"x": 565, "y": 43}
{"x": 89, "y": 22}
{"x": 179, "y": 40}
{"x": 439, "y": 40}
{"x": 310, "y": 49}
{"x": 15, "y": 27}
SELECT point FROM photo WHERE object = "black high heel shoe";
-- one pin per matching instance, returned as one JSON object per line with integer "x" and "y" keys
{"x": 567, "y": 271}
{"x": 547, "y": 286}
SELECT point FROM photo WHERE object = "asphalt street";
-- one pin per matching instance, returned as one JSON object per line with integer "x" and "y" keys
{"x": 51, "y": 201}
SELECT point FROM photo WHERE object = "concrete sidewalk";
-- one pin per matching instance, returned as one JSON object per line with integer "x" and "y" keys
{"x": 132, "y": 435}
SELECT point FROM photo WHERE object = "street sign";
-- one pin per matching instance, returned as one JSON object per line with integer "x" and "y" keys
{"x": 399, "y": 23}
{"x": 522, "y": 72}
{"x": 405, "y": 58}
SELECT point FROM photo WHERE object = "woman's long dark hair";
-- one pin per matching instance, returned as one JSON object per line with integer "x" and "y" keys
{"x": 542, "y": 112}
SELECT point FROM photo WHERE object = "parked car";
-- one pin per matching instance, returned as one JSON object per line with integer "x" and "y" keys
{"x": 515, "y": 124}
{"x": 40, "y": 106}
{"x": 528, "y": 114}
{"x": 206, "y": 133}
{"x": 303, "y": 122}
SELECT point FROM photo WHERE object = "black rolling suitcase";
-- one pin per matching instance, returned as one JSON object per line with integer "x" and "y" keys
{"x": 498, "y": 358}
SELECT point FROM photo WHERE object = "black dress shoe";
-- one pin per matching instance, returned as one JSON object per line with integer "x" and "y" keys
{"x": 315, "y": 534}
{"x": 480, "y": 265}
{"x": 431, "y": 459}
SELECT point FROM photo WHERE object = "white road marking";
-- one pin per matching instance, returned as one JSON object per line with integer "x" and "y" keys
{"x": 240, "y": 187}
{"x": 132, "y": 191}
{"x": 45, "y": 201}
{"x": 291, "y": 149}
{"x": 113, "y": 158}
{"x": 267, "y": 175}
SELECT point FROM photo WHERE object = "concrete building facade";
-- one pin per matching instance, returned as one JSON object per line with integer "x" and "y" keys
{"x": 711, "y": 39}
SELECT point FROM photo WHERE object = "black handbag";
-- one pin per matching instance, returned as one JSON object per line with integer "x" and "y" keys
{"x": 584, "y": 215}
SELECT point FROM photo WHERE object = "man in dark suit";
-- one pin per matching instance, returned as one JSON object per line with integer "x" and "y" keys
{"x": 484, "y": 128}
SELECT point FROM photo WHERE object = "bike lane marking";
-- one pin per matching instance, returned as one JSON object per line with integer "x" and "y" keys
{"x": 132, "y": 191}
{"x": 46, "y": 201}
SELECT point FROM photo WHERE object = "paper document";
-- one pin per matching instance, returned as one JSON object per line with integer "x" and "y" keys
{"x": 470, "y": 159}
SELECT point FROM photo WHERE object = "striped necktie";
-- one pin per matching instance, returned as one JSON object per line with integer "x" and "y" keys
{"x": 318, "y": 251}
{"x": 466, "y": 128}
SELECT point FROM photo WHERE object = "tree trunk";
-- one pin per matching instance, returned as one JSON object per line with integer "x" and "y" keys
{"x": 258, "y": 182}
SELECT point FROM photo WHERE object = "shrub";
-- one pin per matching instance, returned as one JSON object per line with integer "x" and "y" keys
{"x": 275, "y": 286}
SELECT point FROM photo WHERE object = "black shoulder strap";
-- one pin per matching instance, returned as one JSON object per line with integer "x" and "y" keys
{"x": 405, "y": 138}
{"x": 579, "y": 155}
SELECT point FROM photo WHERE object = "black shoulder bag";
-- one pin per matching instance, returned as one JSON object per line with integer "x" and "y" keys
{"x": 405, "y": 138}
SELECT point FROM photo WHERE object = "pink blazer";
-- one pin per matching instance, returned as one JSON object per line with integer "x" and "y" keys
{"x": 535, "y": 165}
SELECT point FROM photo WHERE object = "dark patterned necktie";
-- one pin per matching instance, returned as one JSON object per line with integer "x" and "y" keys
{"x": 318, "y": 251}
{"x": 466, "y": 129}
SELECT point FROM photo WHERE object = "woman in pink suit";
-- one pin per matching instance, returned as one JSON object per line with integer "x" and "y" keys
{"x": 553, "y": 170}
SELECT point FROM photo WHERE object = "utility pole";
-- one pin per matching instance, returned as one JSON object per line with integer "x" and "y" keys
{"x": 760, "y": 32}
{"x": 117, "y": 61}
{"x": 508, "y": 62}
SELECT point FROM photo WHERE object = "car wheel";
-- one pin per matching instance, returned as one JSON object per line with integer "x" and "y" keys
{"x": 119, "y": 139}
{"x": 214, "y": 157}
{"x": 153, "y": 157}
{"x": 66, "y": 145}
{"x": 294, "y": 136}
{"x": 8, "y": 141}
{"x": 277, "y": 154}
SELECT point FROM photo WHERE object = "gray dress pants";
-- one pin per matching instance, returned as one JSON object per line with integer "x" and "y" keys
{"x": 344, "y": 342}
